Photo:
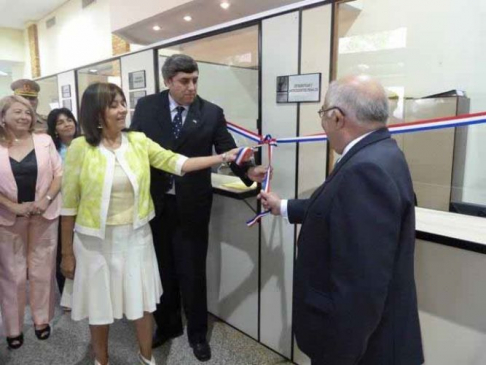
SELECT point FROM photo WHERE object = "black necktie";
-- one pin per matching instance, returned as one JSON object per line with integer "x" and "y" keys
{"x": 177, "y": 122}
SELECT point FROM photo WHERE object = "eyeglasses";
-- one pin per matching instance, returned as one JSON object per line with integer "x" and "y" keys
{"x": 321, "y": 111}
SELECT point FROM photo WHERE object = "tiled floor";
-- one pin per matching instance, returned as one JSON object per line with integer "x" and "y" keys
{"x": 69, "y": 345}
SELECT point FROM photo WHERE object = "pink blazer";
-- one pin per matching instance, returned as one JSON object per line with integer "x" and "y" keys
{"x": 49, "y": 165}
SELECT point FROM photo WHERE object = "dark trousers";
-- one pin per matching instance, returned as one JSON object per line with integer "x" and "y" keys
{"x": 59, "y": 277}
{"x": 181, "y": 249}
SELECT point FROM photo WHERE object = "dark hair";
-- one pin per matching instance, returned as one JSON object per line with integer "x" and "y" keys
{"x": 178, "y": 63}
{"x": 52, "y": 123}
{"x": 96, "y": 99}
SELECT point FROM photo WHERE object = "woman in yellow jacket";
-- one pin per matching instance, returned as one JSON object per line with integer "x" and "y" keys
{"x": 106, "y": 201}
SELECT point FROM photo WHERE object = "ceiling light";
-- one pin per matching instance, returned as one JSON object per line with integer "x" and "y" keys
{"x": 187, "y": 18}
{"x": 93, "y": 70}
{"x": 156, "y": 28}
{"x": 225, "y": 5}
{"x": 3, "y": 73}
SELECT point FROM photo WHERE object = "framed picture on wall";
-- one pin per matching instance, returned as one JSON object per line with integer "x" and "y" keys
{"x": 135, "y": 96}
{"x": 67, "y": 103}
{"x": 282, "y": 84}
{"x": 304, "y": 88}
{"x": 136, "y": 80}
{"x": 282, "y": 97}
{"x": 66, "y": 91}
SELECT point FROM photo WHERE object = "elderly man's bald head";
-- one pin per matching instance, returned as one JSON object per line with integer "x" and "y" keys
{"x": 362, "y": 98}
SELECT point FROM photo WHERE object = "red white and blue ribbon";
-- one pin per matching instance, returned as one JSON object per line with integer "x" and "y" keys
{"x": 243, "y": 155}
{"x": 271, "y": 143}
{"x": 244, "y": 132}
{"x": 417, "y": 126}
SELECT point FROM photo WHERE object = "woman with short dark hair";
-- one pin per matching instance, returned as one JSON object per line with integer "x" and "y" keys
{"x": 106, "y": 200}
{"x": 63, "y": 128}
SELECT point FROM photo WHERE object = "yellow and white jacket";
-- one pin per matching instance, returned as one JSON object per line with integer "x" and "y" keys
{"x": 88, "y": 178}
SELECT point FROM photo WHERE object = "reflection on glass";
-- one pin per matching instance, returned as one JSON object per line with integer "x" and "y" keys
{"x": 391, "y": 39}
{"x": 386, "y": 39}
{"x": 48, "y": 95}
{"x": 101, "y": 72}
{"x": 396, "y": 98}
{"x": 228, "y": 69}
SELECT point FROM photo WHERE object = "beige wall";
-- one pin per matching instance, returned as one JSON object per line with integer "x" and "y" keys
{"x": 12, "y": 45}
{"x": 280, "y": 40}
{"x": 80, "y": 37}
{"x": 13, "y": 58}
{"x": 316, "y": 57}
{"x": 451, "y": 295}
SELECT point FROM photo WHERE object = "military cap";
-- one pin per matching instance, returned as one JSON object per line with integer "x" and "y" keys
{"x": 25, "y": 87}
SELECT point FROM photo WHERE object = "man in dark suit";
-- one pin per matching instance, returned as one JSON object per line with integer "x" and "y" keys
{"x": 179, "y": 120}
{"x": 355, "y": 300}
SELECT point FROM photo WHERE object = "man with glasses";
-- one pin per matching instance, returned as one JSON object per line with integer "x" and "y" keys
{"x": 30, "y": 90}
{"x": 355, "y": 300}
{"x": 179, "y": 120}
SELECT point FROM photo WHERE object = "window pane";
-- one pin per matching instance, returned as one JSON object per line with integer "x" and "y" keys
{"x": 48, "y": 95}
{"x": 418, "y": 49}
{"x": 228, "y": 73}
{"x": 101, "y": 72}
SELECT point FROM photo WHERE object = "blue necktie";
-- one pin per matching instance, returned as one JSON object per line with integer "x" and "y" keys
{"x": 177, "y": 122}
{"x": 176, "y": 129}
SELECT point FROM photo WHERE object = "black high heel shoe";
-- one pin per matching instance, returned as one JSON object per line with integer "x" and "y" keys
{"x": 15, "y": 342}
{"x": 44, "y": 333}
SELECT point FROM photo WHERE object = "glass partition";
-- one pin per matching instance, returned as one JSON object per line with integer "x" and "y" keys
{"x": 48, "y": 95}
{"x": 228, "y": 73}
{"x": 9, "y": 72}
{"x": 101, "y": 72}
{"x": 431, "y": 60}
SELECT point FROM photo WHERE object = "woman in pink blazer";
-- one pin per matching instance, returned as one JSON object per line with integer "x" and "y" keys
{"x": 30, "y": 180}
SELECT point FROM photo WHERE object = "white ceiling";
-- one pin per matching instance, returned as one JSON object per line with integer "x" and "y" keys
{"x": 15, "y": 13}
{"x": 204, "y": 13}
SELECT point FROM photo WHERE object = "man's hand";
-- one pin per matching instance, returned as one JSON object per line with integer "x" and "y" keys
{"x": 68, "y": 266}
{"x": 270, "y": 201}
{"x": 257, "y": 173}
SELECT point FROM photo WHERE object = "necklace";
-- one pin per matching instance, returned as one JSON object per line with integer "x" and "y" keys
{"x": 18, "y": 140}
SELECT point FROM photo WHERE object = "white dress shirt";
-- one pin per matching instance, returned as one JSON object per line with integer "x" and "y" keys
{"x": 284, "y": 202}
{"x": 173, "y": 105}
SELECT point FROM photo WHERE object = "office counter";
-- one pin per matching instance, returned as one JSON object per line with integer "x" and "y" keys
{"x": 450, "y": 273}
{"x": 451, "y": 229}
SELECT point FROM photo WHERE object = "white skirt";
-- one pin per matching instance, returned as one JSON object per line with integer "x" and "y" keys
{"x": 114, "y": 277}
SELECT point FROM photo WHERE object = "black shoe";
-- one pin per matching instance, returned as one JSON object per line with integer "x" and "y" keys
{"x": 15, "y": 342}
{"x": 160, "y": 338}
{"x": 202, "y": 350}
{"x": 44, "y": 333}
